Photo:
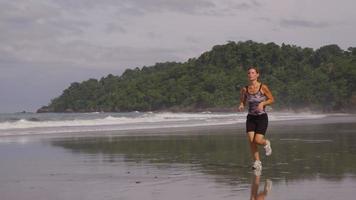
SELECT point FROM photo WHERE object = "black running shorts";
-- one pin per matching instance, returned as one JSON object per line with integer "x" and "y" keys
{"x": 257, "y": 123}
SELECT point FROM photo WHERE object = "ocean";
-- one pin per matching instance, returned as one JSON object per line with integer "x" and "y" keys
{"x": 12, "y": 124}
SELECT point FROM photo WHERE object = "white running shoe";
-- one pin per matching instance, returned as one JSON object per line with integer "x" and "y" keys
{"x": 268, "y": 148}
{"x": 257, "y": 165}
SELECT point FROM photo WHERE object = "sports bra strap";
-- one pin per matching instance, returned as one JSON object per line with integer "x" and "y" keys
{"x": 258, "y": 89}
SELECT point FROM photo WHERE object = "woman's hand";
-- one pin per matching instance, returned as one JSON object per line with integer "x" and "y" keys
{"x": 241, "y": 107}
{"x": 260, "y": 106}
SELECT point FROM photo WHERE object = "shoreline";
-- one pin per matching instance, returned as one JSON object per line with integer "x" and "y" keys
{"x": 238, "y": 128}
{"x": 194, "y": 110}
{"x": 165, "y": 163}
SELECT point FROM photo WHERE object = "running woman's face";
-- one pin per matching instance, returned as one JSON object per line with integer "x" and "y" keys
{"x": 252, "y": 75}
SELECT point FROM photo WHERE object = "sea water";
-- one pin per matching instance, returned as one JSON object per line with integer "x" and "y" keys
{"x": 49, "y": 123}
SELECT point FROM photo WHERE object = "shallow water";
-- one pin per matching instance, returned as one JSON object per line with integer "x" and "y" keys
{"x": 22, "y": 124}
{"x": 309, "y": 161}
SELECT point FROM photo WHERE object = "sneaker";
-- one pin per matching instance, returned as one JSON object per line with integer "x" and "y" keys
{"x": 257, "y": 165}
{"x": 268, "y": 148}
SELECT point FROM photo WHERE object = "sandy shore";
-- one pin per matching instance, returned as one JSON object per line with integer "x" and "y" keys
{"x": 209, "y": 162}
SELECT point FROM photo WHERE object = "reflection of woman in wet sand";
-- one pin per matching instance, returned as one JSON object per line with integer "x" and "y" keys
{"x": 255, "y": 195}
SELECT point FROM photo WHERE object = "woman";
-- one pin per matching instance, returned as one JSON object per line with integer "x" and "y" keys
{"x": 258, "y": 97}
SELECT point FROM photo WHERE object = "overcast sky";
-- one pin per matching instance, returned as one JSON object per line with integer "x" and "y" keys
{"x": 48, "y": 44}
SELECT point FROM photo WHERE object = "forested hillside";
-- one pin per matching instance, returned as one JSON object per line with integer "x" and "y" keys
{"x": 300, "y": 78}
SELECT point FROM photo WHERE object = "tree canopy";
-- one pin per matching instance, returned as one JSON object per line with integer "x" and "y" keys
{"x": 323, "y": 79}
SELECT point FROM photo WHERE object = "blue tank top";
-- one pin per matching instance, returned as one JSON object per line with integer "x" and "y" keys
{"x": 253, "y": 101}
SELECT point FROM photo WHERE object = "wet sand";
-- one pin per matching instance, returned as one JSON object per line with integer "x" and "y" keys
{"x": 314, "y": 159}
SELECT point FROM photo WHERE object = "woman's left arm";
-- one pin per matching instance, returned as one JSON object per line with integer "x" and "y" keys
{"x": 270, "y": 98}
{"x": 268, "y": 93}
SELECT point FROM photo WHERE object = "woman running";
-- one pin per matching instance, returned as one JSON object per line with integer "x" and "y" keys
{"x": 258, "y": 96}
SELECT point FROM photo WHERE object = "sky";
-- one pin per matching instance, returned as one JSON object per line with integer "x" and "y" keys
{"x": 48, "y": 44}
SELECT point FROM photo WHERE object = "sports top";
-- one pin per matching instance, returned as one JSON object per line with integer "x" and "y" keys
{"x": 253, "y": 101}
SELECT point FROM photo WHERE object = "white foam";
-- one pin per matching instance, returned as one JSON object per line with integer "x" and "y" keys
{"x": 281, "y": 116}
{"x": 128, "y": 121}
{"x": 110, "y": 120}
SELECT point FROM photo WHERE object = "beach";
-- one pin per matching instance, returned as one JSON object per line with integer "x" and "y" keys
{"x": 313, "y": 158}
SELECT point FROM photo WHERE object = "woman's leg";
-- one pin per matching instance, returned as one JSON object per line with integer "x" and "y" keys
{"x": 260, "y": 139}
{"x": 253, "y": 146}
{"x": 261, "y": 128}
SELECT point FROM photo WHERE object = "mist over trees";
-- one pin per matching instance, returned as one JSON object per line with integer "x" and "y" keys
{"x": 300, "y": 78}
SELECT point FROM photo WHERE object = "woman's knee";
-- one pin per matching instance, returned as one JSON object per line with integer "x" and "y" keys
{"x": 250, "y": 137}
{"x": 258, "y": 140}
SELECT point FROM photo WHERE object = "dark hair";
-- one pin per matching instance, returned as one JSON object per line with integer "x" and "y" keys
{"x": 255, "y": 68}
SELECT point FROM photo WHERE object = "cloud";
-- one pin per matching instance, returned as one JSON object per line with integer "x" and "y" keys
{"x": 291, "y": 23}
{"x": 86, "y": 55}
{"x": 184, "y": 6}
{"x": 32, "y": 22}
{"x": 192, "y": 39}
{"x": 138, "y": 6}
{"x": 113, "y": 27}
{"x": 89, "y": 33}
{"x": 263, "y": 19}
{"x": 246, "y": 5}
{"x": 142, "y": 7}
{"x": 84, "y": 38}
{"x": 73, "y": 32}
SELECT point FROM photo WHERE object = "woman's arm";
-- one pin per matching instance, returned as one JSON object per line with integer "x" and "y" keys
{"x": 270, "y": 98}
{"x": 268, "y": 93}
{"x": 242, "y": 99}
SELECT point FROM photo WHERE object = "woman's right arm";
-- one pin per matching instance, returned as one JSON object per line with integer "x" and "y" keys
{"x": 242, "y": 99}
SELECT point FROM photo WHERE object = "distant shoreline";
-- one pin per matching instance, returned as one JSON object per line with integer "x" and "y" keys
{"x": 197, "y": 110}
{"x": 234, "y": 128}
